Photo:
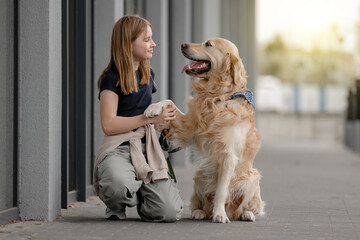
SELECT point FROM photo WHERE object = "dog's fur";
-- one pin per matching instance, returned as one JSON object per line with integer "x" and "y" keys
{"x": 221, "y": 132}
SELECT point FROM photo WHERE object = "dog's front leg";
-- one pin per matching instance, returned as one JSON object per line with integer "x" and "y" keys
{"x": 176, "y": 125}
{"x": 226, "y": 170}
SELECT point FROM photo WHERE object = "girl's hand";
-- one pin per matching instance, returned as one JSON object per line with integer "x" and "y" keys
{"x": 168, "y": 114}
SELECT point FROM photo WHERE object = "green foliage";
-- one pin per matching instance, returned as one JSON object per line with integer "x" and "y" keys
{"x": 276, "y": 45}
{"x": 317, "y": 66}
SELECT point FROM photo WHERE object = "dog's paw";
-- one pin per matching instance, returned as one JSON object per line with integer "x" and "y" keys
{"x": 156, "y": 109}
{"x": 248, "y": 216}
{"x": 198, "y": 214}
{"x": 220, "y": 218}
{"x": 153, "y": 110}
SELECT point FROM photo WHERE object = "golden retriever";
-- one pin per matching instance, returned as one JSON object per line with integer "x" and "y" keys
{"x": 220, "y": 128}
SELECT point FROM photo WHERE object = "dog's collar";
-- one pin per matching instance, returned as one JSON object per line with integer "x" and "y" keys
{"x": 248, "y": 95}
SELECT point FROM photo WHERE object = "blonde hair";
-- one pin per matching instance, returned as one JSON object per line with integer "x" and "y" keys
{"x": 125, "y": 32}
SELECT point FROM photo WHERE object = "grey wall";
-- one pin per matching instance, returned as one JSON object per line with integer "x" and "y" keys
{"x": 230, "y": 19}
{"x": 6, "y": 104}
{"x": 158, "y": 15}
{"x": 106, "y": 13}
{"x": 180, "y": 32}
{"x": 206, "y": 20}
{"x": 89, "y": 99}
{"x": 238, "y": 25}
{"x": 40, "y": 109}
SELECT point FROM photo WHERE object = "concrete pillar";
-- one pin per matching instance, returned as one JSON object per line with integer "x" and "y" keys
{"x": 180, "y": 31}
{"x": 158, "y": 14}
{"x": 89, "y": 156}
{"x": 39, "y": 109}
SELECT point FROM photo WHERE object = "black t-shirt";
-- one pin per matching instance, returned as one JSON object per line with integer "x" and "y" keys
{"x": 135, "y": 103}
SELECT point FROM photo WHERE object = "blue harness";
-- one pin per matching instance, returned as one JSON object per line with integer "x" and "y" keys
{"x": 248, "y": 95}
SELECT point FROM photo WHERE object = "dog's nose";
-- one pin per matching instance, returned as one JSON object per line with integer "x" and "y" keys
{"x": 184, "y": 45}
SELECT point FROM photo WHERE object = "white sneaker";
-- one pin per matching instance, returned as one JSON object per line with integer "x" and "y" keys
{"x": 115, "y": 215}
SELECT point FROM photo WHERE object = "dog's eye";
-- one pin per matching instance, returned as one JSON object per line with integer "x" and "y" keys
{"x": 208, "y": 44}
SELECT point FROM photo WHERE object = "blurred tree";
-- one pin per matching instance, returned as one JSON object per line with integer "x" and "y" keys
{"x": 276, "y": 45}
{"x": 318, "y": 66}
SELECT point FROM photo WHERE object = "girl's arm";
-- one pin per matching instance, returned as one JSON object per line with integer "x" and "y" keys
{"x": 112, "y": 124}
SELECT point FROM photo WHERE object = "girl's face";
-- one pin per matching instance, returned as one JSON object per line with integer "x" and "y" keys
{"x": 142, "y": 47}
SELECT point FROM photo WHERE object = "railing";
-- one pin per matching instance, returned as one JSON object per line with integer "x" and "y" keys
{"x": 352, "y": 123}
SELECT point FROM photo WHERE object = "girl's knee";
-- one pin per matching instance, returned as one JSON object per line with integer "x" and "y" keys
{"x": 111, "y": 190}
{"x": 172, "y": 212}
{"x": 161, "y": 212}
{"x": 117, "y": 189}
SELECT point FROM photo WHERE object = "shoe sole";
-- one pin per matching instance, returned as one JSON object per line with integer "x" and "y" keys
{"x": 113, "y": 218}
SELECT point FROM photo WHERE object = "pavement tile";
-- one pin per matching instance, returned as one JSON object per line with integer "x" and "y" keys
{"x": 311, "y": 192}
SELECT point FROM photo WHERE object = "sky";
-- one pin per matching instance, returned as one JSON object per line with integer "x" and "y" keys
{"x": 309, "y": 23}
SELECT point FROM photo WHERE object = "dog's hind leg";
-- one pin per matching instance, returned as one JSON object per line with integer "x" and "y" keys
{"x": 199, "y": 203}
{"x": 257, "y": 205}
{"x": 196, "y": 207}
{"x": 251, "y": 203}
{"x": 247, "y": 216}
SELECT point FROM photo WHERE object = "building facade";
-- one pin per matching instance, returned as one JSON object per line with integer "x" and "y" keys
{"x": 52, "y": 53}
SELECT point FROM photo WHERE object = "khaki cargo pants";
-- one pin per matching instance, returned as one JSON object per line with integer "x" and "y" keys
{"x": 118, "y": 187}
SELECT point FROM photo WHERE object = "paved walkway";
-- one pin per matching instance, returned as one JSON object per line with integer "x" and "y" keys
{"x": 312, "y": 191}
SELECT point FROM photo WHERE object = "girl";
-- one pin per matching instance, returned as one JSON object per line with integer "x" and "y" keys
{"x": 130, "y": 168}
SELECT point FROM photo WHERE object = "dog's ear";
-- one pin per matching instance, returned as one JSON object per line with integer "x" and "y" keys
{"x": 237, "y": 70}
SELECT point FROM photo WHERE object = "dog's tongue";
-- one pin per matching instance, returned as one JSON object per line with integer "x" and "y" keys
{"x": 193, "y": 65}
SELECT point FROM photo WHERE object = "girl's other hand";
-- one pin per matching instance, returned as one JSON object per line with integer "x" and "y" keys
{"x": 168, "y": 114}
